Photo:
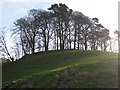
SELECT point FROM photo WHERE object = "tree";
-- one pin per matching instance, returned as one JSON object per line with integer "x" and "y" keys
{"x": 61, "y": 12}
{"x": 45, "y": 25}
{"x": 117, "y": 32}
{"x": 3, "y": 46}
{"x": 93, "y": 38}
{"x": 78, "y": 22}
{"x": 28, "y": 30}
{"x": 21, "y": 30}
{"x": 86, "y": 30}
{"x": 103, "y": 36}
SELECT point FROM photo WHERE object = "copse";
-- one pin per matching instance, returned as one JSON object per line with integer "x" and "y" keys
{"x": 59, "y": 28}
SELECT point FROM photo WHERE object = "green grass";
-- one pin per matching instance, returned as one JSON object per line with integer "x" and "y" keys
{"x": 70, "y": 68}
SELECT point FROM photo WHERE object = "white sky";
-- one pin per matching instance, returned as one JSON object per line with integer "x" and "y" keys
{"x": 105, "y": 10}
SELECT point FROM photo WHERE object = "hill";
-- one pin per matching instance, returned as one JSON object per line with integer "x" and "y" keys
{"x": 63, "y": 69}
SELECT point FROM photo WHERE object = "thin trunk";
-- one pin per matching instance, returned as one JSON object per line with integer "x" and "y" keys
{"x": 75, "y": 39}
{"x": 63, "y": 44}
{"x": 70, "y": 44}
{"x": 57, "y": 42}
{"x": 85, "y": 43}
{"x": 69, "y": 38}
{"x": 78, "y": 45}
{"x": 78, "y": 41}
{"x": 33, "y": 44}
{"x": 60, "y": 43}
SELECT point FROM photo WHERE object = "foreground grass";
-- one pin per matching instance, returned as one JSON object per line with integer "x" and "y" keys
{"x": 62, "y": 69}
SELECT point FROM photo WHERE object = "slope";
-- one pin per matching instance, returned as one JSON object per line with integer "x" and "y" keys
{"x": 63, "y": 69}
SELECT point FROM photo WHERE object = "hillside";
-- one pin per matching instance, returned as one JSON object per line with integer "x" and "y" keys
{"x": 63, "y": 69}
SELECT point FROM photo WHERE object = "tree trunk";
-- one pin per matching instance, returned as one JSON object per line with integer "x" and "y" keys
{"x": 70, "y": 44}
{"x": 33, "y": 44}
{"x": 60, "y": 43}
{"x": 57, "y": 43}
{"x": 63, "y": 44}
{"x": 85, "y": 43}
{"x": 75, "y": 40}
{"x": 78, "y": 45}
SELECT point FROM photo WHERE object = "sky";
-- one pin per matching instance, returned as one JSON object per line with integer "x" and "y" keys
{"x": 105, "y": 10}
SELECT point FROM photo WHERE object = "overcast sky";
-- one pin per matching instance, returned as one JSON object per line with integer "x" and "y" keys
{"x": 105, "y": 10}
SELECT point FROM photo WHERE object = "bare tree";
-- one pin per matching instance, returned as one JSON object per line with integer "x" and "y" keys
{"x": 45, "y": 25}
{"x": 4, "y": 47}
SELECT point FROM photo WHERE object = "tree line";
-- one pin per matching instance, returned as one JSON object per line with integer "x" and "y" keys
{"x": 58, "y": 28}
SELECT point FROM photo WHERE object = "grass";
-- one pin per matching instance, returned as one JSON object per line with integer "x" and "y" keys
{"x": 62, "y": 69}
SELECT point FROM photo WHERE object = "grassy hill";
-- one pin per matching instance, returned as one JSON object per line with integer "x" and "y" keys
{"x": 63, "y": 69}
